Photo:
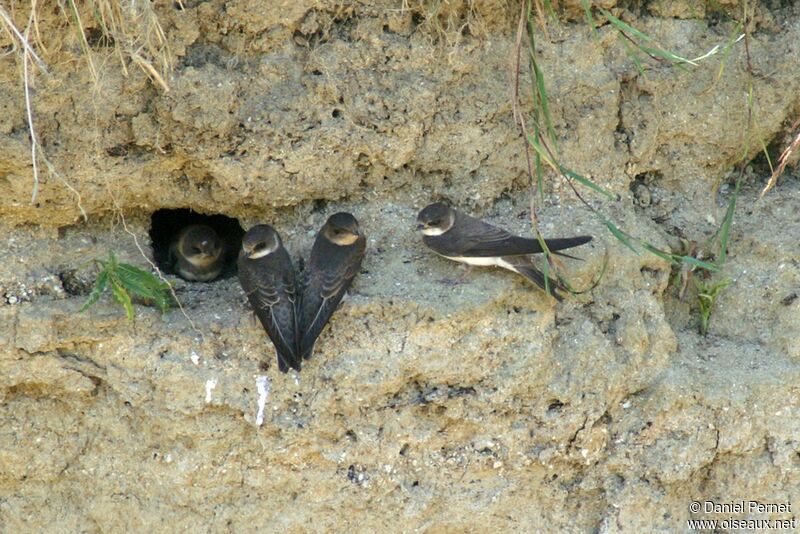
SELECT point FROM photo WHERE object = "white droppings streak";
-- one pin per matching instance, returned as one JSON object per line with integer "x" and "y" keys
{"x": 195, "y": 358}
{"x": 211, "y": 383}
{"x": 263, "y": 387}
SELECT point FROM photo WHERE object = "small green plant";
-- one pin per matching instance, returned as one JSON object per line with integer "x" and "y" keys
{"x": 127, "y": 281}
{"x": 635, "y": 41}
{"x": 541, "y": 148}
{"x": 706, "y": 262}
{"x": 706, "y": 298}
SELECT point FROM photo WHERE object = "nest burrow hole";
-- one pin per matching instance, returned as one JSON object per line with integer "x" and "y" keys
{"x": 166, "y": 224}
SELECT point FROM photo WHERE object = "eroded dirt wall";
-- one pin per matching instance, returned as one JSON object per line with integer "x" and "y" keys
{"x": 426, "y": 407}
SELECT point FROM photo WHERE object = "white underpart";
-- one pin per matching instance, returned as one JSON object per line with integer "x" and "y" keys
{"x": 484, "y": 262}
{"x": 200, "y": 277}
{"x": 261, "y": 253}
{"x": 263, "y": 387}
{"x": 432, "y": 231}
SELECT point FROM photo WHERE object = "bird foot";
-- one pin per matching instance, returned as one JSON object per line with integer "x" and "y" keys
{"x": 452, "y": 282}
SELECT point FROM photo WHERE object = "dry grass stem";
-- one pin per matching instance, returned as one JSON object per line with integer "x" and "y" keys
{"x": 31, "y": 130}
{"x": 782, "y": 161}
{"x": 22, "y": 39}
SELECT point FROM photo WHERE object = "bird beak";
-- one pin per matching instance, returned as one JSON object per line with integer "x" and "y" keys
{"x": 420, "y": 226}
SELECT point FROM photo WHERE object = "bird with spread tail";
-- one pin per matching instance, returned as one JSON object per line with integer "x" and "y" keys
{"x": 267, "y": 276}
{"x": 197, "y": 253}
{"x": 335, "y": 260}
{"x": 465, "y": 239}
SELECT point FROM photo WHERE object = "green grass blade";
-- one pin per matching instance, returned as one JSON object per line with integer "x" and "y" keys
{"x": 620, "y": 235}
{"x": 733, "y": 38}
{"x": 546, "y": 273}
{"x": 588, "y": 183}
{"x": 667, "y": 56}
{"x": 590, "y": 19}
{"x": 624, "y": 27}
{"x": 542, "y": 152}
{"x": 699, "y": 263}
{"x": 542, "y": 91}
{"x": 100, "y": 284}
{"x": 658, "y": 252}
{"x": 634, "y": 57}
{"x": 726, "y": 224}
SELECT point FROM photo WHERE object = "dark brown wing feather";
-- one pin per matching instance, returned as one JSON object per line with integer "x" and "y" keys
{"x": 332, "y": 269}
{"x": 475, "y": 238}
{"x": 485, "y": 240}
{"x": 269, "y": 284}
{"x": 525, "y": 267}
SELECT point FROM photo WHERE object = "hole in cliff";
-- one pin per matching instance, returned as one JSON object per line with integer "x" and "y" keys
{"x": 166, "y": 224}
{"x": 555, "y": 406}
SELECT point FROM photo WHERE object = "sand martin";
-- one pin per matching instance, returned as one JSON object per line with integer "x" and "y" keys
{"x": 462, "y": 238}
{"x": 267, "y": 277}
{"x": 197, "y": 253}
{"x": 335, "y": 260}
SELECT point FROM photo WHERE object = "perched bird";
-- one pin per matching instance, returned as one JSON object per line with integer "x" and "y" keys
{"x": 267, "y": 277}
{"x": 335, "y": 260}
{"x": 462, "y": 238}
{"x": 197, "y": 253}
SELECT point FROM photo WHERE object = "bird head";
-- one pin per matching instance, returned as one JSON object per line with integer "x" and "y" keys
{"x": 436, "y": 219}
{"x": 260, "y": 241}
{"x": 342, "y": 229}
{"x": 201, "y": 245}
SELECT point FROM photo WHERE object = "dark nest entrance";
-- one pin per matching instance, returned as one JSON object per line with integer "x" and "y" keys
{"x": 166, "y": 224}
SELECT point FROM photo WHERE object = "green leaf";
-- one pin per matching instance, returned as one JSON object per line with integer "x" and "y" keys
{"x": 122, "y": 296}
{"x": 145, "y": 285}
{"x": 139, "y": 281}
{"x": 100, "y": 284}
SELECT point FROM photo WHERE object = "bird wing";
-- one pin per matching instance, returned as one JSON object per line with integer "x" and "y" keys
{"x": 323, "y": 294}
{"x": 274, "y": 303}
{"x": 524, "y": 266}
{"x": 482, "y": 239}
{"x": 486, "y": 240}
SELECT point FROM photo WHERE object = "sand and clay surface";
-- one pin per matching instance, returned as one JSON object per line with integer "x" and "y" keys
{"x": 482, "y": 407}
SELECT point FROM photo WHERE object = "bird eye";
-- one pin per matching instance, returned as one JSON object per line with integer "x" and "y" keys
{"x": 436, "y": 222}
{"x": 259, "y": 247}
{"x": 196, "y": 250}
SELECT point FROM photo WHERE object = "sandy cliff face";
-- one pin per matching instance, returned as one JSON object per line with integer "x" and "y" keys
{"x": 426, "y": 407}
